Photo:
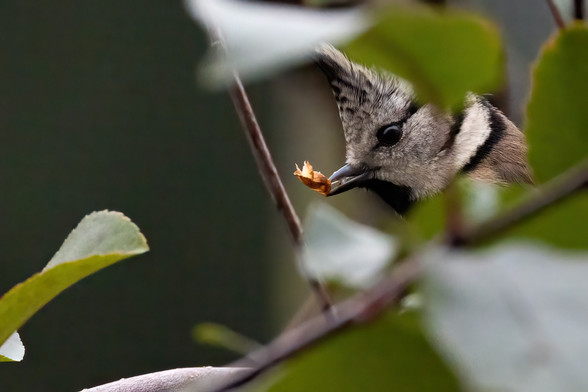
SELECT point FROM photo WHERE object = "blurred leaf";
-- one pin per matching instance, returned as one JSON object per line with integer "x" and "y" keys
{"x": 481, "y": 201}
{"x": 195, "y": 379}
{"x": 221, "y": 336}
{"x": 389, "y": 354}
{"x": 341, "y": 250}
{"x": 512, "y": 318}
{"x": 12, "y": 350}
{"x": 564, "y": 225}
{"x": 99, "y": 240}
{"x": 557, "y": 117}
{"x": 427, "y": 217}
{"x": 443, "y": 54}
{"x": 262, "y": 38}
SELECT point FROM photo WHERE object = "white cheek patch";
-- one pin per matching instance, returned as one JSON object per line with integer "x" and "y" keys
{"x": 474, "y": 131}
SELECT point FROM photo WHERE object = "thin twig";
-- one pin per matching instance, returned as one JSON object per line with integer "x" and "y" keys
{"x": 557, "y": 190}
{"x": 267, "y": 169}
{"x": 579, "y": 9}
{"x": 271, "y": 178}
{"x": 559, "y": 21}
{"x": 358, "y": 310}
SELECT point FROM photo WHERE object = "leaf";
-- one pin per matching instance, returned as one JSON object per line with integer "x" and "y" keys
{"x": 198, "y": 379}
{"x": 390, "y": 354}
{"x": 99, "y": 240}
{"x": 557, "y": 116}
{"x": 340, "y": 250}
{"x": 222, "y": 336}
{"x": 512, "y": 318}
{"x": 562, "y": 225}
{"x": 263, "y": 38}
{"x": 315, "y": 180}
{"x": 12, "y": 350}
{"x": 443, "y": 54}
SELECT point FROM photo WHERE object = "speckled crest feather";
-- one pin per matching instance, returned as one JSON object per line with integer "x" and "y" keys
{"x": 435, "y": 146}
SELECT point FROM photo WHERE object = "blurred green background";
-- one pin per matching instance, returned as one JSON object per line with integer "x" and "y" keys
{"x": 99, "y": 109}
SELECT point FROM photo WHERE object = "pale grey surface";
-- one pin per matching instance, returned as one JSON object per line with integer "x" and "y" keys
{"x": 13, "y": 348}
{"x": 175, "y": 380}
{"x": 512, "y": 318}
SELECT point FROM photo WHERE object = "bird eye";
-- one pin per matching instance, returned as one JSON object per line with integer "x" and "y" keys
{"x": 390, "y": 134}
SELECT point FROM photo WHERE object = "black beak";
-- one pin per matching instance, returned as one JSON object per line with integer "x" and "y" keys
{"x": 348, "y": 177}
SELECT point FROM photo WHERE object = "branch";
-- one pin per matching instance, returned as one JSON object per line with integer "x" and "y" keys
{"x": 360, "y": 309}
{"x": 267, "y": 170}
{"x": 559, "y": 21}
{"x": 555, "y": 191}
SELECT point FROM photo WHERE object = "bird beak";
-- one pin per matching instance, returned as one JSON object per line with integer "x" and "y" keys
{"x": 346, "y": 178}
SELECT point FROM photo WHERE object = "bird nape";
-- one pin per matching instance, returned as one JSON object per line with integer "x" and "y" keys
{"x": 404, "y": 151}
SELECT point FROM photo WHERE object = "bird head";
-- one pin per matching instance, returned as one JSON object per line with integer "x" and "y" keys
{"x": 405, "y": 151}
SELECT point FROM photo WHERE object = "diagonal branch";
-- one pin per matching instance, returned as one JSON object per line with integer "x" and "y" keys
{"x": 357, "y": 310}
{"x": 559, "y": 21}
{"x": 557, "y": 190}
{"x": 267, "y": 169}
{"x": 271, "y": 178}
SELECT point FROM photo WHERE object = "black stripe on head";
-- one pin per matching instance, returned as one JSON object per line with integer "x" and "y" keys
{"x": 330, "y": 67}
{"x": 497, "y": 129}
{"x": 396, "y": 196}
{"x": 454, "y": 131}
{"x": 413, "y": 108}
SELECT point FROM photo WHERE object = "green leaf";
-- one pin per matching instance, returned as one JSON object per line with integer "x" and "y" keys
{"x": 564, "y": 224}
{"x": 12, "y": 350}
{"x": 343, "y": 251}
{"x": 443, "y": 54}
{"x": 557, "y": 126}
{"x": 389, "y": 354}
{"x": 221, "y": 336}
{"x": 427, "y": 218}
{"x": 99, "y": 240}
{"x": 512, "y": 318}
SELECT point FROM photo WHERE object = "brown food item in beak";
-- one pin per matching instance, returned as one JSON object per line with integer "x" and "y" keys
{"x": 313, "y": 179}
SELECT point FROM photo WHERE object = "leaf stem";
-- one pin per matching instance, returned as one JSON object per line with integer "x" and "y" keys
{"x": 579, "y": 9}
{"x": 559, "y": 21}
{"x": 271, "y": 179}
{"x": 360, "y": 309}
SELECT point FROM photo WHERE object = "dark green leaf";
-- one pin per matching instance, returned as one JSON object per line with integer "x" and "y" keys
{"x": 388, "y": 355}
{"x": 557, "y": 126}
{"x": 443, "y": 54}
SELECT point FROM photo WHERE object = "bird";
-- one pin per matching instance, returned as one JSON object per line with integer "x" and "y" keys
{"x": 405, "y": 151}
